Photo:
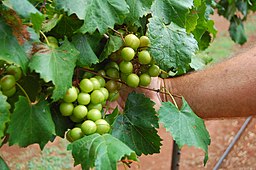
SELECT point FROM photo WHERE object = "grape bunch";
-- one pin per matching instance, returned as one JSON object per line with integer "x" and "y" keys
{"x": 12, "y": 73}
{"x": 132, "y": 65}
{"x": 84, "y": 106}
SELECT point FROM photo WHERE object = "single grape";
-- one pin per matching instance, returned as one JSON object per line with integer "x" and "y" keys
{"x": 111, "y": 85}
{"x": 126, "y": 67}
{"x": 52, "y": 39}
{"x": 133, "y": 80}
{"x": 94, "y": 114}
{"x": 10, "y": 92}
{"x": 132, "y": 41}
{"x": 101, "y": 80}
{"x": 154, "y": 70}
{"x": 76, "y": 133}
{"x": 71, "y": 95}
{"x": 102, "y": 72}
{"x": 75, "y": 119}
{"x": 88, "y": 127}
{"x": 105, "y": 92}
{"x": 97, "y": 97}
{"x": 88, "y": 75}
{"x": 145, "y": 79}
{"x": 95, "y": 106}
{"x": 15, "y": 71}
{"x": 7, "y": 82}
{"x": 124, "y": 77}
{"x": 83, "y": 98}
{"x": 66, "y": 109}
{"x": 113, "y": 96}
{"x": 86, "y": 85}
{"x": 112, "y": 64}
{"x": 80, "y": 111}
{"x": 96, "y": 83}
{"x": 127, "y": 53}
{"x": 113, "y": 73}
{"x": 102, "y": 126}
{"x": 144, "y": 57}
{"x": 144, "y": 41}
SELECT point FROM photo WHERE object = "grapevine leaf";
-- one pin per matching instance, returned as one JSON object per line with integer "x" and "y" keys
{"x": 114, "y": 43}
{"x": 84, "y": 45}
{"x": 4, "y": 115}
{"x": 172, "y": 11}
{"x": 30, "y": 123}
{"x": 185, "y": 126}
{"x": 101, "y": 151}
{"x": 37, "y": 20}
{"x": 97, "y": 14}
{"x": 49, "y": 24}
{"x": 136, "y": 127}
{"x": 236, "y": 30}
{"x": 172, "y": 45}
{"x": 3, "y": 165}
{"x": 10, "y": 50}
{"x": 56, "y": 65}
{"x": 22, "y": 7}
{"x": 191, "y": 21}
{"x": 138, "y": 8}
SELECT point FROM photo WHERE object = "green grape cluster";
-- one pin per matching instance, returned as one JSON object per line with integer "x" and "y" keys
{"x": 12, "y": 73}
{"x": 84, "y": 106}
{"x": 133, "y": 63}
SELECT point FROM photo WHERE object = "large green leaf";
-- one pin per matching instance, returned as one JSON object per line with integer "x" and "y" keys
{"x": 31, "y": 123}
{"x": 10, "y": 50}
{"x": 101, "y": 151}
{"x": 3, "y": 165}
{"x": 56, "y": 65}
{"x": 138, "y": 8}
{"x": 172, "y": 46}
{"x": 83, "y": 44}
{"x": 97, "y": 14}
{"x": 185, "y": 126}
{"x": 4, "y": 115}
{"x": 22, "y": 7}
{"x": 236, "y": 30}
{"x": 172, "y": 11}
{"x": 136, "y": 127}
{"x": 114, "y": 43}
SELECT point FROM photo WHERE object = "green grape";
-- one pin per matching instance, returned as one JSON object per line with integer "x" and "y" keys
{"x": 97, "y": 97}
{"x": 96, "y": 83}
{"x": 133, "y": 80}
{"x": 88, "y": 127}
{"x": 113, "y": 73}
{"x": 102, "y": 72}
{"x": 126, "y": 67}
{"x": 105, "y": 92}
{"x": 86, "y": 85}
{"x": 111, "y": 85}
{"x": 144, "y": 57}
{"x": 66, "y": 109}
{"x": 132, "y": 41}
{"x": 68, "y": 137}
{"x": 112, "y": 64}
{"x": 113, "y": 96}
{"x": 80, "y": 111}
{"x": 144, "y": 41}
{"x": 102, "y": 126}
{"x": 124, "y": 77}
{"x": 7, "y": 82}
{"x": 127, "y": 53}
{"x": 145, "y": 79}
{"x": 94, "y": 114}
{"x": 15, "y": 71}
{"x": 52, "y": 39}
{"x": 71, "y": 95}
{"x": 95, "y": 106}
{"x": 88, "y": 75}
{"x": 101, "y": 80}
{"x": 75, "y": 119}
{"x": 10, "y": 92}
{"x": 83, "y": 98}
{"x": 76, "y": 133}
{"x": 154, "y": 71}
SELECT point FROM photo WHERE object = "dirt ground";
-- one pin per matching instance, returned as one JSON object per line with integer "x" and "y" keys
{"x": 242, "y": 156}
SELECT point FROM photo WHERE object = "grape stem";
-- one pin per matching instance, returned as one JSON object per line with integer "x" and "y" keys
{"x": 172, "y": 96}
{"x": 121, "y": 35}
{"x": 25, "y": 93}
{"x": 47, "y": 42}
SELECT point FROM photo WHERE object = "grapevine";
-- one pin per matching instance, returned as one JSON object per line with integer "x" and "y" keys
{"x": 64, "y": 70}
